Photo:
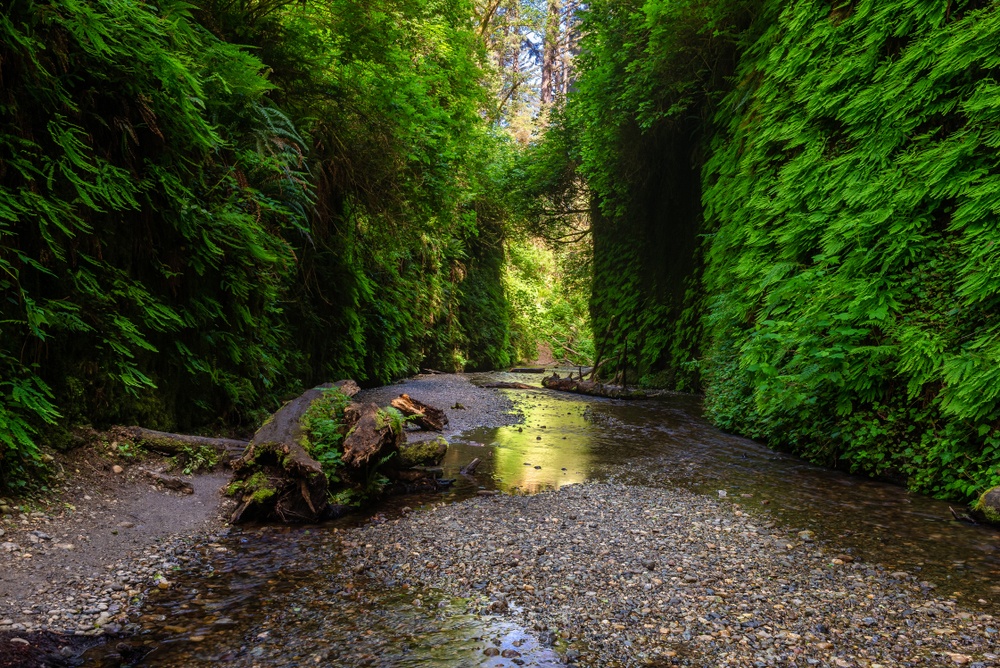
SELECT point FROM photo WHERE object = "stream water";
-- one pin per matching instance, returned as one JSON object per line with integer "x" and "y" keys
{"x": 277, "y": 596}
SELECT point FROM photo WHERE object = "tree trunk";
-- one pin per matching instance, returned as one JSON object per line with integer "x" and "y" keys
{"x": 276, "y": 478}
{"x": 550, "y": 54}
{"x": 428, "y": 417}
{"x": 164, "y": 442}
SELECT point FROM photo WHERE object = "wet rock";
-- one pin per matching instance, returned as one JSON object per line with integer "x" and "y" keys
{"x": 423, "y": 453}
{"x": 988, "y": 505}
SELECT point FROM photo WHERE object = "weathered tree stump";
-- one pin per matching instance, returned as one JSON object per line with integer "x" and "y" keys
{"x": 371, "y": 435}
{"x": 428, "y": 417}
{"x": 276, "y": 478}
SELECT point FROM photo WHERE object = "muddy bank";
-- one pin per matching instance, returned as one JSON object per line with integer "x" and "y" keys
{"x": 631, "y": 576}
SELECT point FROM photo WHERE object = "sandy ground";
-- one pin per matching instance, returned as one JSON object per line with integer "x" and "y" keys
{"x": 77, "y": 562}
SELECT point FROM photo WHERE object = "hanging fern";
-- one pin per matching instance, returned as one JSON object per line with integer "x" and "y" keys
{"x": 852, "y": 202}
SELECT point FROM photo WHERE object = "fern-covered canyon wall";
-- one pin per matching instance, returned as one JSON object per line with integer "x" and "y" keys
{"x": 841, "y": 299}
{"x": 206, "y": 206}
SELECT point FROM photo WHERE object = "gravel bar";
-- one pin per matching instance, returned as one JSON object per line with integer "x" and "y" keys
{"x": 466, "y": 405}
{"x": 633, "y": 576}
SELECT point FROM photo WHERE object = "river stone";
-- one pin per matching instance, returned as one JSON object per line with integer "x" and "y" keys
{"x": 989, "y": 505}
{"x": 424, "y": 453}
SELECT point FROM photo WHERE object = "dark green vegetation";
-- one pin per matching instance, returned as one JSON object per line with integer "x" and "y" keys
{"x": 795, "y": 209}
{"x": 206, "y": 206}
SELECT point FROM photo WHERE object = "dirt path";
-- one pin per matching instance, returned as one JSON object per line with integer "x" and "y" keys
{"x": 77, "y": 564}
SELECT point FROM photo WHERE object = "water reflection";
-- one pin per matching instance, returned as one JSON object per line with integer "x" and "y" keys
{"x": 666, "y": 443}
{"x": 553, "y": 448}
{"x": 289, "y": 597}
{"x": 286, "y": 597}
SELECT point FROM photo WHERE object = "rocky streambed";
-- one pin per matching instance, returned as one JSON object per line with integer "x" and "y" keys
{"x": 595, "y": 532}
{"x": 619, "y": 575}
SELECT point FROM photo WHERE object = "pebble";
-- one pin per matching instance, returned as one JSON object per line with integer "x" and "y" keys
{"x": 625, "y": 575}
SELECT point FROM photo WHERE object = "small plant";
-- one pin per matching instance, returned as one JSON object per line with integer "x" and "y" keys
{"x": 391, "y": 417}
{"x": 124, "y": 449}
{"x": 194, "y": 459}
{"x": 323, "y": 424}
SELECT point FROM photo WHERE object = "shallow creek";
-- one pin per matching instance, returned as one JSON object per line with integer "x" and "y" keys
{"x": 271, "y": 596}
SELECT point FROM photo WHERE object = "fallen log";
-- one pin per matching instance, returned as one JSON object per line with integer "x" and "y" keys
{"x": 428, "y": 417}
{"x": 503, "y": 385}
{"x": 594, "y": 389}
{"x": 531, "y": 369}
{"x": 167, "y": 443}
{"x": 169, "y": 481}
{"x": 275, "y": 477}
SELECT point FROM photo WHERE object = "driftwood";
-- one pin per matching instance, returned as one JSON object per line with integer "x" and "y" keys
{"x": 428, "y": 417}
{"x": 532, "y": 369}
{"x": 509, "y": 386}
{"x": 470, "y": 468}
{"x": 594, "y": 389}
{"x": 169, "y": 481}
{"x": 171, "y": 444}
{"x": 276, "y": 478}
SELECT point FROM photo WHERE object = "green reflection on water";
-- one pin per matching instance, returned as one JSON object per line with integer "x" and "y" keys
{"x": 556, "y": 437}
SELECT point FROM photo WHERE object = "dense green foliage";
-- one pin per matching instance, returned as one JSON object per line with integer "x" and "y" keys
{"x": 205, "y": 206}
{"x": 145, "y": 192}
{"x": 651, "y": 72}
{"x": 853, "y": 196}
{"x": 323, "y": 424}
{"x": 549, "y": 302}
{"x": 836, "y": 287}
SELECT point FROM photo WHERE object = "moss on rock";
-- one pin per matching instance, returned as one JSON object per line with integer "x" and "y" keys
{"x": 424, "y": 453}
{"x": 989, "y": 505}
